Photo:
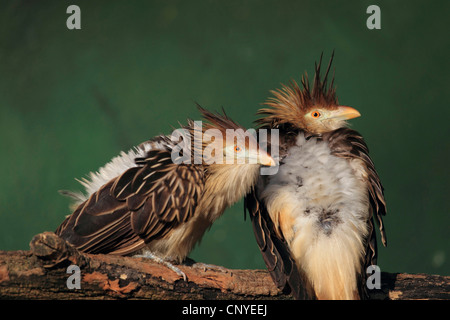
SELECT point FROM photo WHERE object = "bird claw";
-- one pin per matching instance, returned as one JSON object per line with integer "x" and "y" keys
{"x": 153, "y": 257}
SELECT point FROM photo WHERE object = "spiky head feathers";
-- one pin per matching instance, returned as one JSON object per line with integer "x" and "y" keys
{"x": 223, "y": 138}
{"x": 313, "y": 109}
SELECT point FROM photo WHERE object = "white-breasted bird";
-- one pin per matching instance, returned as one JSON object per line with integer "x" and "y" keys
{"x": 313, "y": 219}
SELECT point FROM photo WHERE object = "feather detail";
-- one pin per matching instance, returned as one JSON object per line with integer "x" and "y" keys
{"x": 275, "y": 251}
{"x": 348, "y": 143}
{"x": 289, "y": 104}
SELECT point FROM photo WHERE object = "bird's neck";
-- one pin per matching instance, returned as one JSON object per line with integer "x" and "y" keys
{"x": 226, "y": 184}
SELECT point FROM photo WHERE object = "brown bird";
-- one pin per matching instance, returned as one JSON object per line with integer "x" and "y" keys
{"x": 147, "y": 202}
{"x": 313, "y": 219}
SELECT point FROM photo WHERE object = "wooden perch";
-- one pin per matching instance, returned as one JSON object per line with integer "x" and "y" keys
{"x": 41, "y": 273}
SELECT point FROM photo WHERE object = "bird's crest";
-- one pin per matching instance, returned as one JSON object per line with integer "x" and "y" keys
{"x": 214, "y": 121}
{"x": 290, "y": 103}
{"x": 217, "y": 121}
{"x": 212, "y": 133}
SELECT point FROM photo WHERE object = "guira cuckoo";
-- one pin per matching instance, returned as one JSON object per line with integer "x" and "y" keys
{"x": 144, "y": 202}
{"x": 313, "y": 219}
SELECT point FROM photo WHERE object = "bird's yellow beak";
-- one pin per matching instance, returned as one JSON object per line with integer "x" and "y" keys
{"x": 265, "y": 159}
{"x": 345, "y": 113}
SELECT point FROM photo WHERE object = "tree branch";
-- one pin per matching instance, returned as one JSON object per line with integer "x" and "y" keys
{"x": 41, "y": 274}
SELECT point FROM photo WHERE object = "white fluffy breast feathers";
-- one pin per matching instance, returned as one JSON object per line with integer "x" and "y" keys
{"x": 311, "y": 179}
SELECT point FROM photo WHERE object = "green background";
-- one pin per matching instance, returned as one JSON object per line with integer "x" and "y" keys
{"x": 70, "y": 100}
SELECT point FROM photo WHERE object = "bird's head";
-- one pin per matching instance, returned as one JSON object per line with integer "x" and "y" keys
{"x": 314, "y": 110}
{"x": 324, "y": 118}
{"x": 226, "y": 142}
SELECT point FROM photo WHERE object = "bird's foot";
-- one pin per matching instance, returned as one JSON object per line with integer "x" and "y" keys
{"x": 154, "y": 257}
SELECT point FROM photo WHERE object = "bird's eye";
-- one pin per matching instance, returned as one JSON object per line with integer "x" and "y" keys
{"x": 315, "y": 114}
{"x": 237, "y": 149}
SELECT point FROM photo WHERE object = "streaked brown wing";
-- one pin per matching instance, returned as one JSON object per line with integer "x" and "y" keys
{"x": 275, "y": 251}
{"x": 161, "y": 195}
{"x": 101, "y": 225}
{"x": 348, "y": 143}
{"x": 141, "y": 205}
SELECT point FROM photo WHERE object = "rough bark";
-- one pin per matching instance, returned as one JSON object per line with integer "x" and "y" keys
{"x": 40, "y": 273}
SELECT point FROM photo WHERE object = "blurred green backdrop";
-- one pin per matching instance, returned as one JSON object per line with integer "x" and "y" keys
{"x": 70, "y": 100}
